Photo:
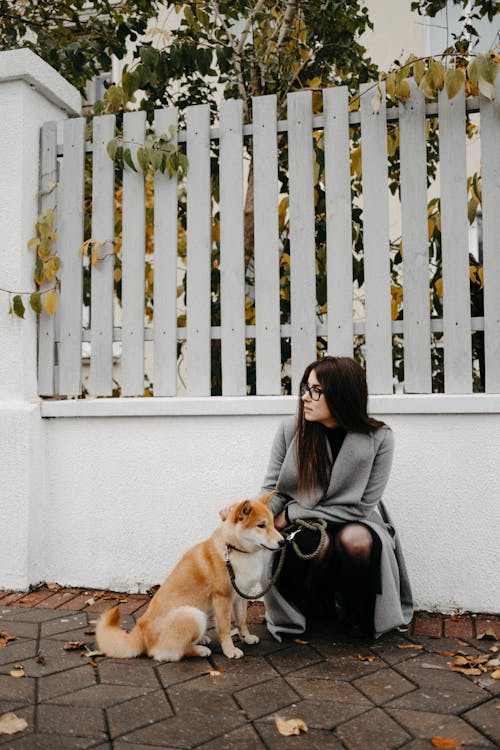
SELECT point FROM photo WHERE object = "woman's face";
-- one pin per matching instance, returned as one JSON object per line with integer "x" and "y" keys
{"x": 316, "y": 411}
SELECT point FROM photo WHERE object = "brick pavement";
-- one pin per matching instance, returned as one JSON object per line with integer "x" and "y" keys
{"x": 398, "y": 692}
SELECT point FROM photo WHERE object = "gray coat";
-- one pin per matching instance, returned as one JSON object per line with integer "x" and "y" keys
{"x": 357, "y": 483}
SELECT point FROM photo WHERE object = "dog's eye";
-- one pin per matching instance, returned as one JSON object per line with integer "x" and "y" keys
{"x": 261, "y": 525}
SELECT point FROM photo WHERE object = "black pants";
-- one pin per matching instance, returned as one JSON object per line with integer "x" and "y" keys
{"x": 330, "y": 587}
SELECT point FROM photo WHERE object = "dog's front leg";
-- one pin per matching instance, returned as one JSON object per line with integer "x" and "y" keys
{"x": 240, "y": 613}
{"x": 222, "y": 613}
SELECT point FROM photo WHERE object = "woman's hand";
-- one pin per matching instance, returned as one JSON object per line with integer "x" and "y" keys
{"x": 280, "y": 521}
{"x": 226, "y": 510}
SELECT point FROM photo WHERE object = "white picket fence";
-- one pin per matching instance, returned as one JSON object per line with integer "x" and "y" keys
{"x": 60, "y": 342}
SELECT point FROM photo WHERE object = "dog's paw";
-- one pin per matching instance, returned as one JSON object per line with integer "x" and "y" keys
{"x": 234, "y": 653}
{"x": 205, "y": 640}
{"x": 201, "y": 651}
{"x": 251, "y": 639}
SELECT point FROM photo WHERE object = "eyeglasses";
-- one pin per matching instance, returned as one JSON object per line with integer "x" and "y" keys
{"x": 314, "y": 391}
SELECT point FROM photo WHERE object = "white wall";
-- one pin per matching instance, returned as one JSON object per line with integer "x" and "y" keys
{"x": 127, "y": 495}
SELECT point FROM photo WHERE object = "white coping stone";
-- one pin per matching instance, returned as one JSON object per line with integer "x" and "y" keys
{"x": 254, "y": 405}
{"x": 23, "y": 64}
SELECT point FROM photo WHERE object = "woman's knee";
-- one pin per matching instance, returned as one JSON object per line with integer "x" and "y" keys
{"x": 354, "y": 540}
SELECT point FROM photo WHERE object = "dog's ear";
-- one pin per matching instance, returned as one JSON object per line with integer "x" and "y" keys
{"x": 267, "y": 498}
{"x": 242, "y": 510}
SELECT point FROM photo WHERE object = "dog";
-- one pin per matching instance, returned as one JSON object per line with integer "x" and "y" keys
{"x": 199, "y": 589}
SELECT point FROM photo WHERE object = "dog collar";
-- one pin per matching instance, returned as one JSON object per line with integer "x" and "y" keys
{"x": 231, "y": 547}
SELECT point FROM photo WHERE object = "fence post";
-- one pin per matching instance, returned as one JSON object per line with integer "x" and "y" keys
{"x": 31, "y": 93}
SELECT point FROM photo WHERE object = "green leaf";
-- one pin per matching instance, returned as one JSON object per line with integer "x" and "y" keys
{"x": 487, "y": 68}
{"x": 39, "y": 273}
{"x": 36, "y": 302}
{"x": 454, "y": 80}
{"x": 111, "y": 148}
{"x": 143, "y": 159}
{"x": 127, "y": 158}
{"x": 18, "y": 306}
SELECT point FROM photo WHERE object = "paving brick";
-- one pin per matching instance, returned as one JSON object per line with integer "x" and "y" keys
{"x": 266, "y": 698}
{"x": 293, "y": 658}
{"x": 322, "y": 714}
{"x": 19, "y": 650}
{"x": 61, "y": 683}
{"x": 17, "y": 689}
{"x": 438, "y": 700}
{"x": 137, "y": 713}
{"x": 383, "y": 686}
{"x": 235, "y": 675}
{"x": 184, "y": 731}
{"x": 101, "y": 696}
{"x": 486, "y": 719}
{"x": 59, "y": 599}
{"x": 22, "y": 712}
{"x": 432, "y": 672}
{"x": 79, "y": 602}
{"x": 459, "y": 628}
{"x": 343, "y": 668}
{"x": 314, "y": 739}
{"x": 11, "y": 598}
{"x": 372, "y": 730}
{"x": 244, "y": 738}
{"x": 424, "y": 725}
{"x": 338, "y": 691}
{"x": 64, "y": 623}
{"x": 65, "y": 721}
{"x": 425, "y": 623}
{"x": 33, "y": 599}
{"x": 50, "y": 742}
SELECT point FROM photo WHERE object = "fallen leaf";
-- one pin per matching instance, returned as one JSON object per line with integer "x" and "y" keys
{"x": 288, "y": 727}
{"x": 414, "y": 646}
{"x": 453, "y": 618}
{"x": 488, "y": 635}
{"x": 53, "y": 586}
{"x": 366, "y": 657}
{"x": 5, "y": 637}
{"x": 299, "y": 640}
{"x": 10, "y": 724}
{"x": 448, "y": 653}
{"x": 466, "y": 670}
{"x": 18, "y": 671}
{"x": 74, "y": 645}
{"x": 90, "y": 654}
{"x": 94, "y": 664}
{"x": 445, "y": 742}
{"x": 496, "y": 674}
{"x": 213, "y": 672}
{"x": 40, "y": 659}
{"x": 493, "y": 649}
{"x": 463, "y": 643}
{"x": 90, "y": 631}
{"x": 494, "y": 662}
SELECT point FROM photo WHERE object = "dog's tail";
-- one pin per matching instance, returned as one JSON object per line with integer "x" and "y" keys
{"x": 115, "y": 642}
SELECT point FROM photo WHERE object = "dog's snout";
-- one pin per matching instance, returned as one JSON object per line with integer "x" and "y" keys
{"x": 281, "y": 542}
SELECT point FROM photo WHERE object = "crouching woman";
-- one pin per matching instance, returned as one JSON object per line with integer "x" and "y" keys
{"x": 329, "y": 468}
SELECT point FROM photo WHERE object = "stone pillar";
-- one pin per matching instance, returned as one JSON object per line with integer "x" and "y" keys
{"x": 31, "y": 93}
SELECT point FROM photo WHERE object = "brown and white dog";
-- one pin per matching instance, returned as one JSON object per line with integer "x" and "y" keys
{"x": 198, "y": 589}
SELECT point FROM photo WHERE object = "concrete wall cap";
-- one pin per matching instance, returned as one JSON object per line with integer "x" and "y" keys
{"x": 23, "y": 64}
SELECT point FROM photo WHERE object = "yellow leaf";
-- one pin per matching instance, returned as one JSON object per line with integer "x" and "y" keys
{"x": 438, "y": 741}
{"x": 117, "y": 274}
{"x": 438, "y": 286}
{"x": 5, "y": 637}
{"x": 496, "y": 674}
{"x": 11, "y": 724}
{"x": 288, "y": 727}
{"x": 95, "y": 256}
{"x": 454, "y": 80}
{"x": 33, "y": 243}
{"x": 418, "y": 70}
{"x": 366, "y": 657}
{"x": 213, "y": 672}
{"x": 18, "y": 671}
{"x": 403, "y": 89}
{"x": 50, "y": 302}
{"x": 299, "y": 640}
{"x": 411, "y": 646}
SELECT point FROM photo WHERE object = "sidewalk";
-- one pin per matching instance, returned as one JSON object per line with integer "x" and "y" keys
{"x": 398, "y": 692}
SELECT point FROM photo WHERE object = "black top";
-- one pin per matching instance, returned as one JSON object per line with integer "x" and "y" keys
{"x": 335, "y": 437}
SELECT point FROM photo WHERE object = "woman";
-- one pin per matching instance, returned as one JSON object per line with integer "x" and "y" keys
{"x": 333, "y": 463}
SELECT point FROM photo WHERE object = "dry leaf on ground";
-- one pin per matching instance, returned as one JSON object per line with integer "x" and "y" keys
{"x": 488, "y": 635}
{"x": 438, "y": 741}
{"x": 11, "y": 724}
{"x": 289, "y": 727}
{"x": 74, "y": 646}
{"x": 299, "y": 640}
{"x": 5, "y": 637}
{"x": 496, "y": 674}
{"x": 414, "y": 646}
{"x": 53, "y": 586}
{"x": 213, "y": 672}
{"x": 366, "y": 657}
{"x": 18, "y": 671}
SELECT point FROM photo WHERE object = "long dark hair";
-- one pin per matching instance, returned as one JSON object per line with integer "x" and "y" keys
{"x": 344, "y": 386}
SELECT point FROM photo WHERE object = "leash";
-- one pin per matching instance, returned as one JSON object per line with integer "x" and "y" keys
{"x": 292, "y": 531}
